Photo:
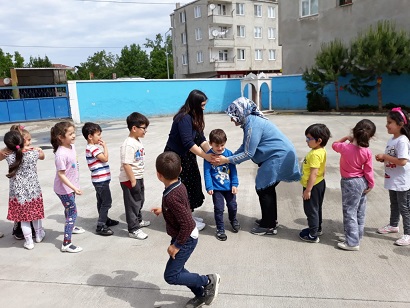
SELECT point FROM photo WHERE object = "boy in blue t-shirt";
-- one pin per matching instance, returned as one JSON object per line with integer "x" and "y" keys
{"x": 221, "y": 182}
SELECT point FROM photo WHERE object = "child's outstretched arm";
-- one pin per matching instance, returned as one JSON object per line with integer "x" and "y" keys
{"x": 63, "y": 178}
{"x": 344, "y": 139}
{"x": 156, "y": 210}
{"x": 391, "y": 159}
{"x": 4, "y": 152}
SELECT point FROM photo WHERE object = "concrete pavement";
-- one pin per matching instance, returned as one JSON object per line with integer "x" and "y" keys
{"x": 256, "y": 271}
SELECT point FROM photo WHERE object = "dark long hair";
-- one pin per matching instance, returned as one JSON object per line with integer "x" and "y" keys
{"x": 398, "y": 118}
{"x": 59, "y": 129}
{"x": 14, "y": 142}
{"x": 363, "y": 131}
{"x": 193, "y": 107}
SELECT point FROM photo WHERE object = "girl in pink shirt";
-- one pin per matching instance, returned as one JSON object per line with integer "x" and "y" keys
{"x": 356, "y": 169}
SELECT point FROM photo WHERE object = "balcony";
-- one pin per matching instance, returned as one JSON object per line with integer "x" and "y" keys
{"x": 224, "y": 40}
{"x": 220, "y": 19}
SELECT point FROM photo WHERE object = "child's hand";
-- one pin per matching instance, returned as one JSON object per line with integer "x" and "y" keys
{"x": 367, "y": 190}
{"x": 306, "y": 195}
{"x": 380, "y": 157}
{"x": 78, "y": 192}
{"x": 156, "y": 210}
{"x": 234, "y": 190}
{"x": 101, "y": 142}
{"x": 172, "y": 251}
{"x": 210, "y": 192}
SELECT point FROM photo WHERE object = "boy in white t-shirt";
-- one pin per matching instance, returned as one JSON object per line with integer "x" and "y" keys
{"x": 131, "y": 177}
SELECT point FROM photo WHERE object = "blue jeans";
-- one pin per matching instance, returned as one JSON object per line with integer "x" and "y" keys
{"x": 354, "y": 208}
{"x": 104, "y": 201}
{"x": 70, "y": 213}
{"x": 219, "y": 198}
{"x": 175, "y": 272}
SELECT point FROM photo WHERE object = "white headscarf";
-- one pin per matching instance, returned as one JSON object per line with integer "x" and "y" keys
{"x": 242, "y": 107}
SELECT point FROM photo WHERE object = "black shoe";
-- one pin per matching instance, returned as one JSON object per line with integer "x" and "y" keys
{"x": 211, "y": 289}
{"x": 111, "y": 222}
{"x": 104, "y": 231}
{"x": 220, "y": 235}
{"x": 235, "y": 226}
{"x": 17, "y": 232}
{"x": 264, "y": 231}
{"x": 195, "y": 302}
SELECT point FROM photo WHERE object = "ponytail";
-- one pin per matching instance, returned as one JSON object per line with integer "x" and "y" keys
{"x": 14, "y": 142}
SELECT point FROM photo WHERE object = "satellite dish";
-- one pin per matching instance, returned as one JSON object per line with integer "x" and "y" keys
{"x": 215, "y": 32}
{"x": 6, "y": 80}
{"x": 212, "y": 6}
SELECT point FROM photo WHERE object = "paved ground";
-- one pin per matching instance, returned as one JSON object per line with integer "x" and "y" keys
{"x": 276, "y": 271}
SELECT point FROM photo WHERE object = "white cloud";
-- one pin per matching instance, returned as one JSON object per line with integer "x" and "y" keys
{"x": 71, "y": 23}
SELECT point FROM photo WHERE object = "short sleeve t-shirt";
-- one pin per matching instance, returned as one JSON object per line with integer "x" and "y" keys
{"x": 66, "y": 159}
{"x": 100, "y": 171}
{"x": 316, "y": 158}
{"x": 397, "y": 177}
{"x": 132, "y": 153}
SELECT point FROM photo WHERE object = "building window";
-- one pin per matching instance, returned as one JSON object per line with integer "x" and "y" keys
{"x": 240, "y": 31}
{"x": 182, "y": 17}
{"x": 241, "y": 54}
{"x": 240, "y": 9}
{"x": 344, "y": 2}
{"x": 258, "y": 54}
{"x": 184, "y": 59}
{"x": 183, "y": 38}
{"x": 223, "y": 55}
{"x": 198, "y": 34}
{"x": 257, "y": 8}
{"x": 199, "y": 57}
{"x": 271, "y": 33}
{"x": 308, "y": 7}
{"x": 271, "y": 12}
{"x": 272, "y": 54}
{"x": 220, "y": 9}
{"x": 197, "y": 11}
{"x": 258, "y": 32}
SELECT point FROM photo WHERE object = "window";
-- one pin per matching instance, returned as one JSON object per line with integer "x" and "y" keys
{"x": 272, "y": 54}
{"x": 198, "y": 34}
{"x": 271, "y": 33}
{"x": 241, "y": 54}
{"x": 223, "y": 55}
{"x": 240, "y": 31}
{"x": 271, "y": 12}
{"x": 257, "y": 10}
{"x": 240, "y": 9}
{"x": 197, "y": 11}
{"x": 258, "y": 32}
{"x": 258, "y": 54}
{"x": 199, "y": 57}
{"x": 182, "y": 17}
{"x": 308, "y": 7}
{"x": 184, "y": 59}
{"x": 220, "y": 9}
{"x": 344, "y": 2}
{"x": 183, "y": 38}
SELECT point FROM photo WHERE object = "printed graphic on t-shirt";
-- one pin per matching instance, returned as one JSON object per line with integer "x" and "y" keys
{"x": 139, "y": 154}
{"x": 392, "y": 152}
{"x": 223, "y": 173}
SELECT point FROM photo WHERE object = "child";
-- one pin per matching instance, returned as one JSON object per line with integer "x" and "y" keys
{"x": 184, "y": 235}
{"x": 66, "y": 184}
{"x": 356, "y": 169}
{"x": 25, "y": 197}
{"x": 221, "y": 183}
{"x": 313, "y": 181}
{"x": 396, "y": 178}
{"x": 132, "y": 175}
{"x": 97, "y": 161}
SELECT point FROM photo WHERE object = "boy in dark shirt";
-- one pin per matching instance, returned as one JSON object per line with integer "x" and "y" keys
{"x": 184, "y": 235}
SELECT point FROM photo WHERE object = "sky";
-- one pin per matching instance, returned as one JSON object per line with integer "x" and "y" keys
{"x": 70, "y": 31}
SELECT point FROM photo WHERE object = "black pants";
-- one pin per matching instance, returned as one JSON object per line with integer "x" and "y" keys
{"x": 313, "y": 207}
{"x": 269, "y": 206}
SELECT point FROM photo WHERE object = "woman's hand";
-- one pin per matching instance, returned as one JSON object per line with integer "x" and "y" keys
{"x": 212, "y": 158}
{"x": 221, "y": 160}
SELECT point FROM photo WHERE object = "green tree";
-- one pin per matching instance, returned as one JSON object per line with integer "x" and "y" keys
{"x": 382, "y": 49}
{"x": 6, "y": 62}
{"x": 133, "y": 62}
{"x": 102, "y": 65}
{"x": 157, "y": 57}
{"x": 18, "y": 59}
{"x": 315, "y": 83}
{"x": 39, "y": 62}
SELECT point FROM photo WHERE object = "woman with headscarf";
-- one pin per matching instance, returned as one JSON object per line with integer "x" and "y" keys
{"x": 271, "y": 150}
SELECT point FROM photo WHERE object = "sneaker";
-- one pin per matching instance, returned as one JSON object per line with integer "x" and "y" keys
{"x": 111, "y": 222}
{"x": 40, "y": 235}
{"x": 29, "y": 245}
{"x": 78, "y": 230}
{"x": 344, "y": 246}
{"x": 104, "y": 230}
{"x": 195, "y": 302}
{"x": 235, "y": 226}
{"x": 264, "y": 231}
{"x": 388, "y": 229}
{"x": 309, "y": 238}
{"x": 403, "y": 241}
{"x": 319, "y": 231}
{"x": 220, "y": 235}
{"x": 200, "y": 225}
{"x": 138, "y": 234}
{"x": 18, "y": 233}
{"x": 198, "y": 219}
{"x": 70, "y": 248}
{"x": 258, "y": 222}
{"x": 211, "y": 289}
{"x": 304, "y": 232}
{"x": 144, "y": 223}
{"x": 341, "y": 239}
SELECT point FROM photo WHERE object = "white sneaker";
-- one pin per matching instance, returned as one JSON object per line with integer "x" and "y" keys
{"x": 388, "y": 229}
{"x": 78, "y": 230}
{"x": 70, "y": 248}
{"x": 200, "y": 225}
{"x": 198, "y": 219}
{"x": 403, "y": 241}
{"x": 40, "y": 235}
{"x": 144, "y": 223}
{"x": 29, "y": 245}
{"x": 138, "y": 234}
{"x": 344, "y": 246}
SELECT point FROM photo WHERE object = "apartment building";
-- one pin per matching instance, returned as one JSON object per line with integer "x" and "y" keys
{"x": 225, "y": 39}
{"x": 305, "y": 24}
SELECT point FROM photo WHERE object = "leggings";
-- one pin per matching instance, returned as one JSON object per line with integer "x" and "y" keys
{"x": 70, "y": 213}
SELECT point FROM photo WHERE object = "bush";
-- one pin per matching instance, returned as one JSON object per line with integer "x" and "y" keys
{"x": 317, "y": 102}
